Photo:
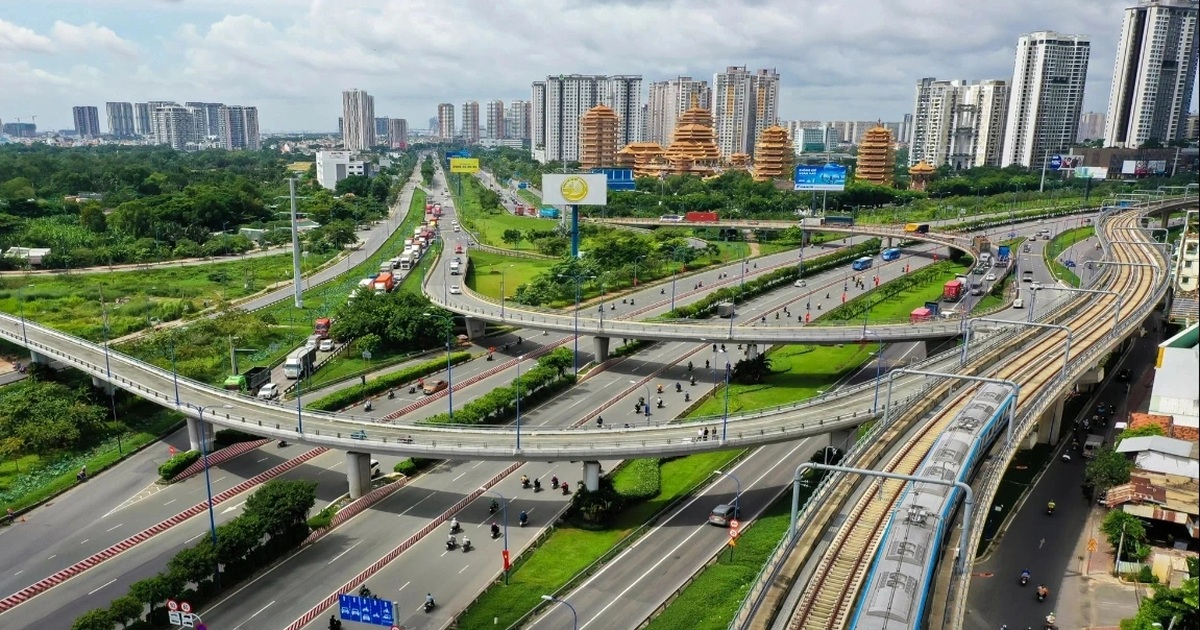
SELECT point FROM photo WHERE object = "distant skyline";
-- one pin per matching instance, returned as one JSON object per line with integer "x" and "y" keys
{"x": 836, "y": 62}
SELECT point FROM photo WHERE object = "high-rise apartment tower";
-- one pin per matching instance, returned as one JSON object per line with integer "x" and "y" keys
{"x": 1047, "y": 95}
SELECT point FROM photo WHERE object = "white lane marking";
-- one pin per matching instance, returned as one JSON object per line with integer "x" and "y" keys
{"x": 463, "y": 569}
{"x": 259, "y": 462}
{"x": 114, "y": 527}
{"x": 170, "y": 502}
{"x": 415, "y": 504}
{"x": 344, "y": 552}
{"x": 52, "y": 557}
{"x": 477, "y": 465}
{"x": 218, "y": 479}
{"x": 458, "y": 477}
{"x": 254, "y": 615}
{"x": 102, "y": 586}
{"x": 18, "y": 572}
{"x": 196, "y": 536}
{"x": 84, "y": 541}
{"x": 232, "y": 508}
{"x": 404, "y": 587}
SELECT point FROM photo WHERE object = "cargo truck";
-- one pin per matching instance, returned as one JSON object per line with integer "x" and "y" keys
{"x": 812, "y": 221}
{"x": 384, "y": 283}
{"x": 725, "y": 309}
{"x": 321, "y": 326}
{"x": 548, "y": 213}
{"x": 839, "y": 220}
{"x": 1003, "y": 255}
{"x": 952, "y": 291}
{"x": 250, "y": 381}
{"x": 919, "y": 228}
{"x": 455, "y": 267}
{"x": 405, "y": 262}
{"x": 981, "y": 243}
{"x": 299, "y": 363}
{"x": 701, "y": 217}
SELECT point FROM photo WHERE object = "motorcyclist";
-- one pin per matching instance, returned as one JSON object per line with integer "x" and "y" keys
{"x": 1042, "y": 591}
{"x": 1025, "y": 575}
{"x": 368, "y": 406}
{"x": 1050, "y": 506}
{"x": 495, "y": 530}
{"x": 523, "y": 518}
{"x": 599, "y": 422}
{"x": 524, "y": 481}
{"x": 566, "y": 490}
{"x": 454, "y": 524}
{"x": 495, "y": 505}
{"x": 660, "y": 402}
{"x": 660, "y": 388}
{"x": 334, "y": 624}
{"x": 466, "y": 543}
{"x": 451, "y": 541}
{"x": 554, "y": 481}
{"x": 537, "y": 484}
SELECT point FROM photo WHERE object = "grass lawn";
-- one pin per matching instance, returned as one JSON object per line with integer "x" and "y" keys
{"x": 412, "y": 282}
{"x": 486, "y": 269}
{"x": 351, "y": 363}
{"x": 529, "y": 197}
{"x": 898, "y": 307}
{"x": 1061, "y": 243}
{"x": 135, "y": 299}
{"x": 569, "y": 550}
{"x": 732, "y": 250}
{"x": 797, "y": 372}
{"x": 489, "y": 227}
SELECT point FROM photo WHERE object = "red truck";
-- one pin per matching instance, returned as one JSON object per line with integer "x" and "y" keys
{"x": 952, "y": 291}
{"x": 701, "y": 217}
{"x": 384, "y": 283}
{"x": 321, "y": 327}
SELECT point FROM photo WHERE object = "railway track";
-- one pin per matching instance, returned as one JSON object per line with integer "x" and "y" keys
{"x": 828, "y": 600}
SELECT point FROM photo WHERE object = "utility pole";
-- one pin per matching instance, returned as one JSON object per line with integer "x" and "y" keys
{"x": 297, "y": 278}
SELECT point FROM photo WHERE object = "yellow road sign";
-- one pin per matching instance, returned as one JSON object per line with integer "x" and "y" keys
{"x": 1091, "y": 544}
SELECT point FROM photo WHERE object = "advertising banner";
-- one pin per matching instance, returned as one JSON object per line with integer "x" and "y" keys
{"x": 828, "y": 177}
{"x": 575, "y": 189}
{"x": 1065, "y": 162}
{"x": 1143, "y": 168}
{"x": 1091, "y": 172}
{"x": 1158, "y": 167}
{"x": 464, "y": 165}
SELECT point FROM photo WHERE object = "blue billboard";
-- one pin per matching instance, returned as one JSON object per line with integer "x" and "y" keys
{"x": 380, "y": 612}
{"x": 618, "y": 178}
{"x": 827, "y": 177}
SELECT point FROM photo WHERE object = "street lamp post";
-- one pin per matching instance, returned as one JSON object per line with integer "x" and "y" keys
{"x": 212, "y": 519}
{"x": 449, "y": 323}
{"x": 878, "y": 366}
{"x": 517, "y": 384}
{"x": 635, "y": 266}
{"x": 504, "y": 518}
{"x": 725, "y": 417}
{"x": 737, "y": 495}
{"x": 21, "y": 303}
{"x": 574, "y": 615}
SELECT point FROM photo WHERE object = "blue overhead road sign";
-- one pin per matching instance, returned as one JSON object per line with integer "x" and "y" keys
{"x": 380, "y": 612}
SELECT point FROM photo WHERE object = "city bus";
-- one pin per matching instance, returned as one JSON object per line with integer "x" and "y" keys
{"x": 891, "y": 254}
{"x": 862, "y": 263}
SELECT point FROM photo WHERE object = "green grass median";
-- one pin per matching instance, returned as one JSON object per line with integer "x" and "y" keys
{"x": 529, "y": 198}
{"x": 488, "y": 271}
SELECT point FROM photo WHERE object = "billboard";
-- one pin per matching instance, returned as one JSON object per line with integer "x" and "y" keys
{"x": 1091, "y": 172}
{"x": 575, "y": 189}
{"x": 828, "y": 177}
{"x": 1065, "y": 162}
{"x": 1143, "y": 168}
{"x": 464, "y": 165}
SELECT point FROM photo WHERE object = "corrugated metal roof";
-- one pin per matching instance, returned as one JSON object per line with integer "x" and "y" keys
{"x": 1168, "y": 464}
{"x": 1157, "y": 444}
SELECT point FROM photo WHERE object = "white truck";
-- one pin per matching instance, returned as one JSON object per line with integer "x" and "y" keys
{"x": 405, "y": 261}
{"x": 455, "y": 267}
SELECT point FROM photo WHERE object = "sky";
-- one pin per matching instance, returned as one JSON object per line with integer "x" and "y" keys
{"x": 838, "y": 60}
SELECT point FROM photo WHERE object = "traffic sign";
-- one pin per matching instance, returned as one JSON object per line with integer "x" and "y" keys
{"x": 1091, "y": 544}
{"x": 172, "y": 604}
{"x": 733, "y": 532}
{"x": 734, "y": 523}
{"x": 185, "y": 607}
{"x": 380, "y": 612}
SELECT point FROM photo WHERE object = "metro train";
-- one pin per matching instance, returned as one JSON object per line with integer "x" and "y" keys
{"x": 900, "y": 580}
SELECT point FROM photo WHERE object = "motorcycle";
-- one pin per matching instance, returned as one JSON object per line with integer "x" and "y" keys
{"x": 687, "y": 396}
{"x": 466, "y": 545}
{"x": 391, "y": 394}
{"x": 524, "y": 518}
{"x": 368, "y": 406}
{"x": 495, "y": 531}
{"x": 429, "y": 605}
{"x": 678, "y": 388}
{"x": 455, "y": 527}
{"x": 660, "y": 403}
{"x": 493, "y": 507}
{"x": 565, "y": 489}
{"x": 1050, "y": 509}
{"x": 364, "y": 592}
{"x": 412, "y": 389}
{"x": 1042, "y": 592}
{"x": 537, "y": 485}
{"x": 282, "y": 443}
{"x": 1024, "y": 579}
{"x": 451, "y": 544}
{"x": 525, "y": 482}
{"x": 554, "y": 482}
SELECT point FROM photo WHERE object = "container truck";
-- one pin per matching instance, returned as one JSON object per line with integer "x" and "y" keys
{"x": 1003, "y": 255}
{"x": 701, "y": 217}
{"x": 250, "y": 381}
{"x": 300, "y": 363}
{"x": 812, "y": 221}
{"x": 384, "y": 283}
{"x": 321, "y": 326}
{"x": 952, "y": 291}
{"x": 406, "y": 261}
{"x": 919, "y": 228}
{"x": 548, "y": 213}
{"x": 832, "y": 219}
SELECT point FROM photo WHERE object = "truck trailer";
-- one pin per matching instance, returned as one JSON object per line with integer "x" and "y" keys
{"x": 701, "y": 217}
{"x": 300, "y": 363}
{"x": 952, "y": 291}
{"x": 249, "y": 381}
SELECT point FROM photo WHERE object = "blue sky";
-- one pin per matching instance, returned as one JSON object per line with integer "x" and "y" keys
{"x": 853, "y": 59}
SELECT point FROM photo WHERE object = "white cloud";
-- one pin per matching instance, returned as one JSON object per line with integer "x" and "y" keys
{"x": 14, "y": 37}
{"x": 91, "y": 36}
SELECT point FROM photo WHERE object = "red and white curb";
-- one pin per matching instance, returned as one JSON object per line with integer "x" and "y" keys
{"x": 355, "y": 508}
{"x": 219, "y": 457}
{"x": 45, "y": 584}
{"x": 379, "y": 564}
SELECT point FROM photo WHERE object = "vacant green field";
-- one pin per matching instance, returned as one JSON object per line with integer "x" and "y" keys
{"x": 529, "y": 197}
{"x": 137, "y": 299}
{"x": 487, "y": 269}
{"x": 489, "y": 227}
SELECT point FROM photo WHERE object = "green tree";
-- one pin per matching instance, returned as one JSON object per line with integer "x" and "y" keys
{"x": 560, "y": 360}
{"x": 126, "y": 609}
{"x": 1146, "y": 430}
{"x": 512, "y": 237}
{"x": 16, "y": 188}
{"x": 369, "y": 342}
{"x": 195, "y": 564}
{"x": 237, "y": 538}
{"x": 91, "y": 216}
{"x": 1107, "y": 469}
{"x": 281, "y": 505}
{"x": 156, "y": 589}
{"x": 358, "y": 185}
{"x": 98, "y": 619}
{"x": 1118, "y": 524}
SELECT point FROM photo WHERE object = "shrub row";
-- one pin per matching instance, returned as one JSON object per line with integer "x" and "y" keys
{"x": 544, "y": 379}
{"x": 229, "y": 437}
{"x": 413, "y": 465}
{"x": 707, "y": 306}
{"x": 346, "y": 397}
{"x": 271, "y": 526}
{"x": 854, "y": 309}
{"x": 633, "y": 347}
{"x": 168, "y": 469}
{"x": 639, "y": 479}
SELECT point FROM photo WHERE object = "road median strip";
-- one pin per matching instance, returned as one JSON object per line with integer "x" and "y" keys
{"x": 219, "y": 457}
{"x": 45, "y": 584}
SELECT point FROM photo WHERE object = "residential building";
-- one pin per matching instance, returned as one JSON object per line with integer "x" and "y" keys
{"x": 334, "y": 166}
{"x": 733, "y": 110}
{"x": 141, "y": 120}
{"x": 1154, "y": 74}
{"x": 562, "y": 101}
{"x": 173, "y": 125}
{"x": 537, "y": 120}
{"x": 381, "y": 129}
{"x": 516, "y": 120}
{"x": 495, "y": 120}
{"x": 87, "y": 121}
{"x": 623, "y": 94}
{"x": 1193, "y": 127}
{"x": 206, "y": 117}
{"x": 433, "y": 125}
{"x": 445, "y": 121}
{"x": 667, "y": 101}
{"x": 1091, "y": 126}
{"x": 358, "y": 120}
{"x": 906, "y": 127}
{"x": 765, "y": 83}
{"x": 397, "y": 133}
{"x": 1049, "y": 75}
{"x": 957, "y": 123}
{"x": 237, "y": 128}
{"x": 120, "y": 119}
{"x": 599, "y": 138}
{"x": 20, "y": 129}
{"x": 811, "y": 136}
{"x": 470, "y": 122}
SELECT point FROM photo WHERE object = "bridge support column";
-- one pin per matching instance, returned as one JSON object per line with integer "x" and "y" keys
{"x": 591, "y": 476}
{"x": 751, "y": 351}
{"x": 1049, "y": 428}
{"x": 888, "y": 243}
{"x": 358, "y": 472}
{"x": 198, "y": 431}
{"x": 601, "y": 346}
{"x": 843, "y": 439}
{"x": 108, "y": 388}
{"x": 475, "y": 327}
{"x": 39, "y": 358}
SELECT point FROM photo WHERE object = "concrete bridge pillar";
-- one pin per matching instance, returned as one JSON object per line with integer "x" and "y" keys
{"x": 108, "y": 388}
{"x": 200, "y": 435}
{"x": 887, "y": 243}
{"x": 591, "y": 476}
{"x": 843, "y": 439}
{"x": 751, "y": 351}
{"x": 601, "y": 346}
{"x": 475, "y": 327}
{"x": 39, "y": 358}
{"x": 358, "y": 472}
{"x": 1049, "y": 425}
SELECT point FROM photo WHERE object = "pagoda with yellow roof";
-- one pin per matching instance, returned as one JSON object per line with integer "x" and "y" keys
{"x": 773, "y": 154}
{"x": 645, "y": 158}
{"x": 920, "y": 174}
{"x": 876, "y": 160}
{"x": 598, "y": 137}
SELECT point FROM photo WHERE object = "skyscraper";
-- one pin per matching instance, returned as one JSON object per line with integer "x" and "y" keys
{"x": 381, "y": 129}
{"x": 445, "y": 121}
{"x": 358, "y": 120}
{"x": 120, "y": 119}
{"x": 141, "y": 120}
{"x": 207, "y": 118}
{"x": 87, "y": 121}
{"x": 1154, "y": 74}
{"x": 397, "y": 134}
{"x": 237, "y": 128}
{"x": 667, "y": 100}
{"x": 173, "y": 125}
{"x": 958, "y": 123}
{"x": 516, "y": 120}
{"x": 495, "y": 119}
{"x": 470, "y": 122}
{"x": 1047, "y": 95}
{"x": 1091, "y": 126}
{"x": 743, "y": 105}
{"x": 559, "y": 102}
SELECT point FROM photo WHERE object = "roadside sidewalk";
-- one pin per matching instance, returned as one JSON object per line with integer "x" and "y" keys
{"x": 1089, "y": 596}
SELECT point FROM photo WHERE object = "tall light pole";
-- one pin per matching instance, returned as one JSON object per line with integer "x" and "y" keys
{"x": 212, "y": 519}
{"x": 517, "y": 385}
{"x": 112, "y": 390}
{"x": 504, "y": 518}
{"x": 736, "y": 495}
{"x": 21, "y": 303}
{"x": 174, "y": 372}
{"x": 449, "y": 323}
{"x": 635, "y": 266}
{"x": 725, "y": 418}
{"x": 574, "y": 615}
{"x": 578, "y": 278}
{"x": 878, "y": 366}
{"x": 675, "y": 274}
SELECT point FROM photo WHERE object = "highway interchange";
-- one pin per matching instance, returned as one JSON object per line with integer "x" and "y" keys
{"x": 316, "y": 571}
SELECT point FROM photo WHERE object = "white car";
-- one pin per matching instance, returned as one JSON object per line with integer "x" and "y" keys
{"x": 800, "y": 283}
{"x": 453, "y": 221}
{"x": 991, "y": 277}
{"x": 326, "y": 345}
{"x": 1035, "y": 286}
{"x": 455, "y": 289}
{"x": 268, "y": 391}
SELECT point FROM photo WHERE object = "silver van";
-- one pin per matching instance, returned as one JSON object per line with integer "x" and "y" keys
{"x": 722, "y": 514}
